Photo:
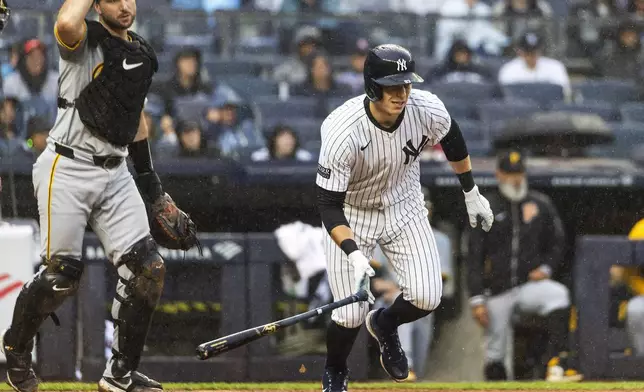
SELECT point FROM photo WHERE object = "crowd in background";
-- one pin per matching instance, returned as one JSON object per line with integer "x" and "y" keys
{"x": 194, "y": 113}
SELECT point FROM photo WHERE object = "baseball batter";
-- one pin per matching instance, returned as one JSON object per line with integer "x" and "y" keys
{"x": 82, "y": 177}
{"x": 369, "y": 193}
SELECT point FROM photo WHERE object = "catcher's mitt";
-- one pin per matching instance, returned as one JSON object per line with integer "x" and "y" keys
{"x": 170, "y": 227}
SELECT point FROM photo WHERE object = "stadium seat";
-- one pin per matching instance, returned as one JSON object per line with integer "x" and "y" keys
{"x": 488, "y": 112}
{"x": 217, "y": 67}
{"x": 614, "y": 91}
{"x": 249, "y": 87}
{"x": 335, "y": 102}
{"x": 474, "y": 130}
{"x": 471, "y": 92}
{"x": 191, "y": 108}
{"x": 632, "y": 112}
{"x": 603, "y": 109}
{"x": 460, "y": 109}
{"x": 627, "y": 137}
{"x": 39, "y": 107}
{"x": 271, "y": 107}
{"x": 543, "y": 93}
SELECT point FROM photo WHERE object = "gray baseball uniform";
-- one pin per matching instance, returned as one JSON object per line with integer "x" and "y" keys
{"x": 74, "y": 192}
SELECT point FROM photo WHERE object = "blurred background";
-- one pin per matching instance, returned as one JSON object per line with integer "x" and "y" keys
{"x": 235, "y": 112}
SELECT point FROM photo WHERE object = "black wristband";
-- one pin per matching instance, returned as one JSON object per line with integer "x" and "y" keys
{"x": 467, "y": 180}
{"x": 348, "y": 246}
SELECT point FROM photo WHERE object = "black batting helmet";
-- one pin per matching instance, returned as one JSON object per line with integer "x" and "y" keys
{"x": 388, "y": 65}
{"x": 5, "y": 12}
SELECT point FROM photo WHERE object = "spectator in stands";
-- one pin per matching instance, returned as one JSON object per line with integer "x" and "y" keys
{"x": 283, "y": 144}
{"x": 9, "y": 67}
{"x": 522, "y": 15}
{"x": 227, "y": 132}
{"x": 621, "y": 58}
{"x": 32, "y": 78}
{"x": 511, "y": 270}
{"x": 636, "y": 9}
{"x": 37, "y": 133}
{"x": 460, "y": 66}
{"x": 467, "y": 20}
{"x": 191, "y": 142}
{"x": 531, "y": 67}
{"x": 9, "y": 141}
{"x": 320, "y": 79}
{"x": 187, "y": 80}
{"x": 294, "y": 70}
{"x": 585, "y": 28}
{"x": 354, "y": 77}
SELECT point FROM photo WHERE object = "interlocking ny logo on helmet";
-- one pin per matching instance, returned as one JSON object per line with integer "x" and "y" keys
{"x": 388, "y": 65}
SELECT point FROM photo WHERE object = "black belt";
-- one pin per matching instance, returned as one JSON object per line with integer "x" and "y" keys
{"x": 107, "y": 162}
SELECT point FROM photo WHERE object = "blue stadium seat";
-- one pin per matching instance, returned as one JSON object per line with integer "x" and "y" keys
{"x": 217, "y": 67}
{"x": 249, "y": 87}
{"x": 543, "y": 93}
{"x": 39, "y": 107}
{"x": 632, "y": 112}
{"x": 614, "y": 91}
{"x": 627, "y": 137}
{"x": 192, "y": 108}
{"x": 475, "y": 131}
{"x": 460, "y": 109}
{"x": 271, "y": 107}
{"x": 471, "y": 92}
{"x": 488, "y": 112}
{"x": 603, "y": 109}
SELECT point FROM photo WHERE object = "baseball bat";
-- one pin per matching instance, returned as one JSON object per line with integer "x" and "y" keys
{"x": 238, "y": 339}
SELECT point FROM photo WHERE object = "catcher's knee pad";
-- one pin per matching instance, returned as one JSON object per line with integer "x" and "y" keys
{"x": 148, "y": 271}
{"x": 495, "y": 371}
{"x": 39, "y": 298}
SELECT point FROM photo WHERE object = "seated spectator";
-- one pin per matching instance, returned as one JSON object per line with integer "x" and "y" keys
{"x": 191, "y": 142}
{"x": 511, "y": 270}
{"x": 283, "y": 144}
{"x": 355, "y": 77}
{"x": 521, "y": 15}
{"x": 294, "y": 70}
{"x": 320, "y": 81}
{"x": 636, "y": 9}
{"x": 586, "y": 27}
{"x": 531, "y": 67}
{"x": 187, "y": 80}
{"x": 9, "y": 138}
{"x": 468, "y": 20}
{"x": 37, "y": 134}
{"x": 9, "y": 67}
{"x": 227, "y": 132}
{"x": 459, "y": 66}
{"x": 32, "y": 78}
{"x": 621, "y": 58}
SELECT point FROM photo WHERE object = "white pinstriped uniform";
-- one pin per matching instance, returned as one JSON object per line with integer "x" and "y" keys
{"x": 384, "y": 203}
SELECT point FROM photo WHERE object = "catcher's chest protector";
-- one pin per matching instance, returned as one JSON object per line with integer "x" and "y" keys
{"x": 111, "y": 104}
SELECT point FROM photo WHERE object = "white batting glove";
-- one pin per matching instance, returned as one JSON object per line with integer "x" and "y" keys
{"x": 362, "y": 272}
{"x": 477, "y": 205}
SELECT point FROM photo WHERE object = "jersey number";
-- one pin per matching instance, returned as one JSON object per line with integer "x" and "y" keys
{"x": 411, "y": 152}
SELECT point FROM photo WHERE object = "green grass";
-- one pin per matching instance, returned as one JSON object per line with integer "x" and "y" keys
{"x": 515, "y": 386}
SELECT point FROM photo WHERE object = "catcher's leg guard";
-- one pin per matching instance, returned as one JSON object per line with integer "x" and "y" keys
{"x": 141, "y": 274}
{"x": 58, "y": 279}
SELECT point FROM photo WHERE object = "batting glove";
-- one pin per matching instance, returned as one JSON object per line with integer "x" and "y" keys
{"x": 362, "y": 271}
{"x": 477, "y": 205}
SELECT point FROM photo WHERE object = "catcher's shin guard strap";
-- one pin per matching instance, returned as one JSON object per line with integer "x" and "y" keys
{"x": 40, "y": 297}
{"x": 142, "y": 272}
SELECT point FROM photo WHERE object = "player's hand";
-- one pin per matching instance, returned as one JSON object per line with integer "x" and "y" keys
{"x": 477, "y": 205}
{"x": 362, "y": 272}
{"x": 479, "y": 312}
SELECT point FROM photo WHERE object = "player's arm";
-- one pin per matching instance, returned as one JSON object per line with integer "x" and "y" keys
{"x": 455, "y": 149}
{"x": 139, "y": 151}
{"x": 70, "y": 28}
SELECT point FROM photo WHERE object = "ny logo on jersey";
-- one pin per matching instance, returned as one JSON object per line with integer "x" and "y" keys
{"x": 411, "y": 152}
{"x": 402, "y": 65}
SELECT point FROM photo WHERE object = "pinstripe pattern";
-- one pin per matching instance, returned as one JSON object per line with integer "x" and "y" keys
{"x": 384, "y": 203}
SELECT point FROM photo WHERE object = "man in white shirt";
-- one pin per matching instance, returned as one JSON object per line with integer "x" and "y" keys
{"x": 531, "y": 67}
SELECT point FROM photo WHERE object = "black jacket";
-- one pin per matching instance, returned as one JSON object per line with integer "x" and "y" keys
{"x": 533, "y": 226}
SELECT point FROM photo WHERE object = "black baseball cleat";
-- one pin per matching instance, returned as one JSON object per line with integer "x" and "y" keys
{"x": 335, "y": 381}
{"x": 20, "y": 374}
{"x": 135, "y": 382}
{"x": 392, "y": 356}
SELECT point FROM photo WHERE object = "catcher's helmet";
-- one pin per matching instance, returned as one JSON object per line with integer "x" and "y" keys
{"x": 388, "y": 65}
{"x": 5, "y": 12}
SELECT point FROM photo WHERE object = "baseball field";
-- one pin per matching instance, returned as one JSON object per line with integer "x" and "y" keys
{"x": 371, "y": 387}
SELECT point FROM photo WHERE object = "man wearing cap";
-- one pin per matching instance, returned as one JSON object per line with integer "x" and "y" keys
{"x": 511, "y": 269}
{"x": 531, "y": 67}
{"x": 32, "y": 78}
{"x": 294, "y": 70}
